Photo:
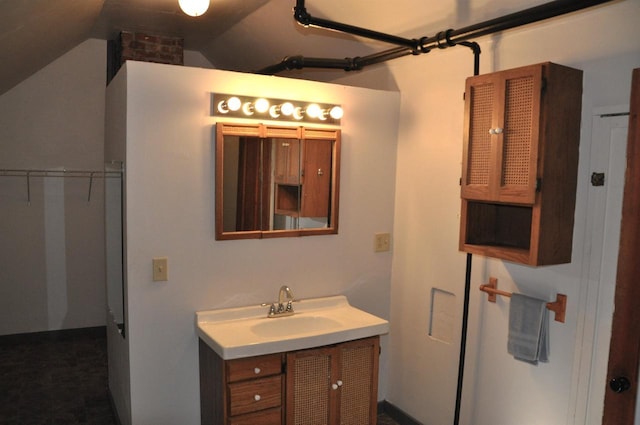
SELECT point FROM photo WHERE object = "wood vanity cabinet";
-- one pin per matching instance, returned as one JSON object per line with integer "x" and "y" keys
{"x": 247, "y": 391}
{"x": 520, "y": 159}
{"x": 330, "y": 385}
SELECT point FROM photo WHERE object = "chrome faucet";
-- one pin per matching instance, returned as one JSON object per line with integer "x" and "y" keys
{"x": 285, "y": 303}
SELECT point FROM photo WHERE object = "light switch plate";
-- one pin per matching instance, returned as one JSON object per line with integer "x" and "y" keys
{"x": 381, "y": 242}
{"x": 160, "y": 272}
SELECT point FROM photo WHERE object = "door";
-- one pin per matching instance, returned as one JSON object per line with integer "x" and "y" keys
{"x": 624, "y": 352}
{"x": 603, "y": 212}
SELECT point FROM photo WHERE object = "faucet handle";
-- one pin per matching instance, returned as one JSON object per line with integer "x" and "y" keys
{"x": 272, "y": 308}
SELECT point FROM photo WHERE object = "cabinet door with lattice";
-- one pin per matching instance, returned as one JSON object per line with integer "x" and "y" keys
{"x": 501, "y": 138}
{"x": 335, "y": 385}
{"x": 358, "y": 381}
{"x": 310, "y": 374}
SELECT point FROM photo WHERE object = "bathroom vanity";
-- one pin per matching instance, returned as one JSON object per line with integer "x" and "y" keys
{"x": 320, "y": 364}
{"x": 338, "y": 383}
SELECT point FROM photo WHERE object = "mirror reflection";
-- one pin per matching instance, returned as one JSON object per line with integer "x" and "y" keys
{"x": 276, "y": 181}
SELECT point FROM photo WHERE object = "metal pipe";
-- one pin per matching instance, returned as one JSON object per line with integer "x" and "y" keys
{"x": 475, "y": 47}
{"x": 304, "y": 18}
{"x": 534, "y": 14}
{"x": 442, "y": 40}
{"x": 463, "y": 340}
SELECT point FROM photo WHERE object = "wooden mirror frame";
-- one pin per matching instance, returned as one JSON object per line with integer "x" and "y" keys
{"x": 265, "y": 132}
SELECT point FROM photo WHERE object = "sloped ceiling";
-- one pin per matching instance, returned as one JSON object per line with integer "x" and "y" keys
{"x": 240, "y": 35}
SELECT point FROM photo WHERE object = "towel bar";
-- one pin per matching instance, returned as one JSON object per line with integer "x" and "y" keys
{"x": 559, "y": 306}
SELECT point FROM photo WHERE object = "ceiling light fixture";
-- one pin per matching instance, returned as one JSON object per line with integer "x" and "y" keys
{"x": 194, "y": 7}
{"x": 276, "y": 109}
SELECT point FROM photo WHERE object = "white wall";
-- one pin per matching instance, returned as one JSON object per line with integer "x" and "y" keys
{"x": 51, "y": 252}
{"x": 422, "y": 372}
{"x": 170, "y": 212}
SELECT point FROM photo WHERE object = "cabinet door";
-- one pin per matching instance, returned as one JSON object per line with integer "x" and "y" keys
{"x": 287, "y": 162}
{"x": 501, "y": 139}
{"x": 310, "y": 374}
{"x": 334, "y": 385}
{"x": 359, "y": 382}
{"x": 316, "y": 185}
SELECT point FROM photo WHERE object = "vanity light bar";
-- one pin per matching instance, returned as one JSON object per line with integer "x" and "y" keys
{"x": 226, "y": 105}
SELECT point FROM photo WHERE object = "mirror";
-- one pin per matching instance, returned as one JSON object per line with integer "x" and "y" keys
{"x": 276, "y": 181}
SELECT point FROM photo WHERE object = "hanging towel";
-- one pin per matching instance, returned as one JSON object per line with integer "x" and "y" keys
{"x": 528, "y": 329}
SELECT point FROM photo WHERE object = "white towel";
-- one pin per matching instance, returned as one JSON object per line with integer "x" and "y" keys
{"x": 528, "y": 329}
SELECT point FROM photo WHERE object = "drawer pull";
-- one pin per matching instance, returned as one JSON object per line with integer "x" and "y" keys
{"x": 257, "y": 397}
{"x": 257, "y": 370}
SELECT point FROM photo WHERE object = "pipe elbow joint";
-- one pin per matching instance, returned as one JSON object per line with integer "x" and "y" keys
{"x": 302, "y": 16}
{"x": 293, "y": 62}
{"x": 353, "y": 64}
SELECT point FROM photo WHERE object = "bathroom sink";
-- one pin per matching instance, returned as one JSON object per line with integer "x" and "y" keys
{"x": 247, "y": 331}
{"x": 294, "y": 325}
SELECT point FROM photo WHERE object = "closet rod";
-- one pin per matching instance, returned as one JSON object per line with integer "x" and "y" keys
{"x": 559, "y": 306}
{"x": 57, "y": 173}
{"x": 28, "y": 173}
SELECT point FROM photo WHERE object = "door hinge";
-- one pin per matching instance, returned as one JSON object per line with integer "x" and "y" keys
{"x": 597, "y": 179}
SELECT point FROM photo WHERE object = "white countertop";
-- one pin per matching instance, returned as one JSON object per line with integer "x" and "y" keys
{"x": 247, "y": 331}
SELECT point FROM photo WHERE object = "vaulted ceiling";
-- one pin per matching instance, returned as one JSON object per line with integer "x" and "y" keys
{"x": 241, "y": 35}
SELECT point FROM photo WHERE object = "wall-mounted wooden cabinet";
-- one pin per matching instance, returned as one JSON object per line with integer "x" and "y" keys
{"x": 326, "y": 385}
{"x": 520, "y": 159}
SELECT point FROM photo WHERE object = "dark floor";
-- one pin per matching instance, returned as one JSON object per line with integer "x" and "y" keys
{"x": 54, "y": 379}
{"x": 384, "y": 419}
{"x": 60, "y": 379}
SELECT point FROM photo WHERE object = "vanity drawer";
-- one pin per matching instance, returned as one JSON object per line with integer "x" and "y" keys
{"x": 265, "y": 417}
{"x": 254, "y": 367}
{"x": 256, "y": 394}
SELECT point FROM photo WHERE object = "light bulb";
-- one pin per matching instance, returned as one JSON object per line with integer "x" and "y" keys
{"x": 223, "y": 108}
{"x": 274, "y": 111}
{"x": 248, "y": 108}
{"x": 194, "y": 7}
{"x": 233, "y": 103}
{"x": 313, "y": 110}
{"x": 298, "y": 113}
{"x": 287, "y": 108}
{"x": 336, "y": 112}
{"x": 261, "y": 105}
